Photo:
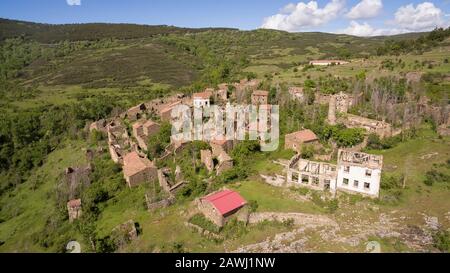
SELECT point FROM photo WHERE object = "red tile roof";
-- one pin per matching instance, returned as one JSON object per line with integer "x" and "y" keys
{"x": 219, "y": 141}
{"x": 74, "y": 203}
{"x": 203, "y": 95}
{"x": 133, "y": 164}
{"x": 226, "y": 201}
{"x": 303, "y": 136}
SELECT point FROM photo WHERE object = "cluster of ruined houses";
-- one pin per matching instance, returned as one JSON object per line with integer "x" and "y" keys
{"x": 130, "y": 150}
{"x": 339, "y": 104}
{"x": 355, "y": 172}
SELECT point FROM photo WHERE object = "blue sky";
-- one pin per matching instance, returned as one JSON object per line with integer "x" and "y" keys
{"x": 370, "y": 17}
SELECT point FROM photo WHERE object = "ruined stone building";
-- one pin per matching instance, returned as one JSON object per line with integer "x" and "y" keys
{"x": 225, "y": 145}
{"x": 355, "y": 172}
{"x": 380, "y": 128}
{"x": 166, "y": 111}
{"x": 99, "y": 126}
{"x": 217, "y": 159}
{"x": 245, "y": 84}
{"x": 125, "y": 233}
{"x": 221, "y": 206}
{"x": 74, "y": 209}
{"x": 310, "y": 174}
{"x": 297, "y": 93}
{"x": 339, "y": 103}
{"x": 118, "y": 141}
{"x": 296, "y": 140}
{"x": 138, "y": 170}
{"x": 136, "y": 112}
{"x": 359, "y": 172}
{"x": 207, "y": 159}
{"x": 169, "y": 185}
{"x": 222, "y": 92}
{"x": 144, "y": 129}
{"x": 260, "y": 97}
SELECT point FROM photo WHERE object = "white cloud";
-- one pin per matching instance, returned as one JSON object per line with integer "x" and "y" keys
{"x": 366, "y": 30}
{"x": 289, "y": 8}
{"x": 366, "y": 9}
{"x": 295, "y": 17}
{"x": 73, "y": 2}
{"x": 423, "y": 17}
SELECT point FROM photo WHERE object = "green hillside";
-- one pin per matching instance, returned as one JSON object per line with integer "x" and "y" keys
{"x": 56, "y": 79}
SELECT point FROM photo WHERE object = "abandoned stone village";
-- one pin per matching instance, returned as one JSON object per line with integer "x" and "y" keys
{"x": 353, "y": 172}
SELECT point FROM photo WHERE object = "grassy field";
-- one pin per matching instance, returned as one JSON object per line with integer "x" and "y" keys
{"x": 26, "y": 209}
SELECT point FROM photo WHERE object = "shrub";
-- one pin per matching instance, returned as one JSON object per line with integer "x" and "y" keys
{"x": 201, "y": 221}
{"x": 389, "y": 182}
{"x": 435, "y": 176}
{"x": 441, "y": 241}
{"x": 253, "y": 205}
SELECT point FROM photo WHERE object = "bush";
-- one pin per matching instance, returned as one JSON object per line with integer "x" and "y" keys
{"x": 435, "y": 176}
{"x": 253, "y": 205}
{"x": 307, "y": 152}
{"x": 390, "y": 182}
{"x": 349, "y": 137}
{"x": 201, "y": 221}
{"x": 441, "y": 241}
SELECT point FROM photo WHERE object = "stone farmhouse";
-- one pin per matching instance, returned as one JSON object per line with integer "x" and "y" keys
{"x": 355, "y": 172}
{"x": 202, "y": 99}
{"x": 327, "y": 62}
{"x": 138, "y": 170}
{"x": 296, "y": 140}
{"x": 74, "y": 209}
{"x": 221, "y": 206}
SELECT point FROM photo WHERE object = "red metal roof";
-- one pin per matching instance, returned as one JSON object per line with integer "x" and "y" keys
{"x": 226, "y": 201}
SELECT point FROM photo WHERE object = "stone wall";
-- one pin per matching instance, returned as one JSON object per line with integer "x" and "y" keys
{"x": 210, "y": 212}
{"x": 147, "y": 175}
{"x": 206, "y": 158}
{"x": 152, "y": 206}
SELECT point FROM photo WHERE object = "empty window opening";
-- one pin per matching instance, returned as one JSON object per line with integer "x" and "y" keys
{"x": 345, "y": 181}
{"x": 305, "y": 179}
